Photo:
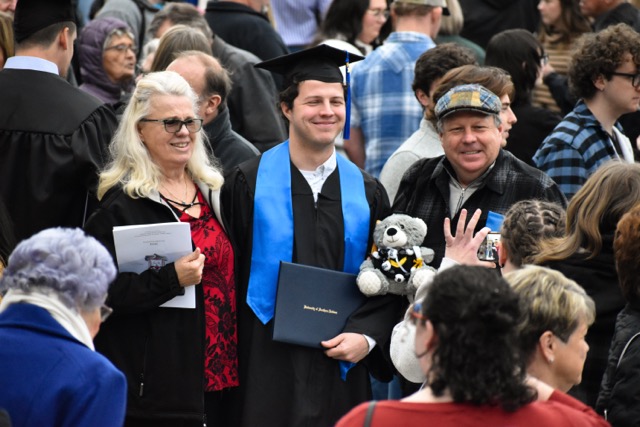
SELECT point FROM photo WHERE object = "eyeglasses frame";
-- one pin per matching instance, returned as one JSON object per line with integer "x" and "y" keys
{"x": 122, "y": 48}
{"x": 635, "y": 78}
{"x": 182, "y": 123}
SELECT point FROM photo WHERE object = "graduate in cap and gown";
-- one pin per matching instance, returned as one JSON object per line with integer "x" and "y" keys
{"x": 53, "y": 136}
{"x": 300, "y": 202}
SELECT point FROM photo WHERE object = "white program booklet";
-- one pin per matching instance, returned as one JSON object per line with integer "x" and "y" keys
{"x": 141, "y": 247}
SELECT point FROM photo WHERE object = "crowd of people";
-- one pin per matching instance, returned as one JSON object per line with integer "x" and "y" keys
{"x": 282, "y": 131}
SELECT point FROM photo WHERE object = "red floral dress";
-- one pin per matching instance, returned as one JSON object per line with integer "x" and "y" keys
{"x": 221, "y": 357}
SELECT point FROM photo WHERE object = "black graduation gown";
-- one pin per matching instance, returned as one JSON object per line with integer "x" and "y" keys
{"x": 53, "y": 141}
{"x": 288, "y": 385}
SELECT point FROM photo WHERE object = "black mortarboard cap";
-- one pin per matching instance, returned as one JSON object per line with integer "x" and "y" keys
{"x": 32, "y": 16}
{"x": 320, "y": 63}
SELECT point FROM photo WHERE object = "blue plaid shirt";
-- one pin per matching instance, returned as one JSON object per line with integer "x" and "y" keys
{"x": 382, "y": 102}
{"x": 575, "y": 149}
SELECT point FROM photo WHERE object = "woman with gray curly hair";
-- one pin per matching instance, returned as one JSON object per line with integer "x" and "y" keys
{"x": 56, "y": 283}
{"x": 180, "y": 363}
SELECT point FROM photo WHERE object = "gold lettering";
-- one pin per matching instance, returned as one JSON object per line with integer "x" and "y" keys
{"x": 319, "y": 309}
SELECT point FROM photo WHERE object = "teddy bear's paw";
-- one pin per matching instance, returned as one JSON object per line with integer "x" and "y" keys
{"x": 369, "y": 283}
{"x": 427, "y": 254}
{"x": 422, "y": 277}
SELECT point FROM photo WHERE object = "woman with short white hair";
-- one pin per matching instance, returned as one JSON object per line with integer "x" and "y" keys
{"x": 56, "y": 283}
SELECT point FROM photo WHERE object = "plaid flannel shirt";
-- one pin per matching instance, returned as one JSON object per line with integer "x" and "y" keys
{"x": 575, "y": 149}
{"x": 383, "y": 104}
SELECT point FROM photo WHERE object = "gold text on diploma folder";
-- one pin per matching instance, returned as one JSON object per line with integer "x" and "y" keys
{"x": 320, "y": 310}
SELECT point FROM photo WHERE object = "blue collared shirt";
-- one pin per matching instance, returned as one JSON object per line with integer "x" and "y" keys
{"x": 384, "y": 106}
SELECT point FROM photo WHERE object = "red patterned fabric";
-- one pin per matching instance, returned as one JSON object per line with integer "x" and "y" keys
{"x": 221, "y": 357}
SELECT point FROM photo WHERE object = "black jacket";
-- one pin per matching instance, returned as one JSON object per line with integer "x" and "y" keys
{"x": 599, "y": 279}
{"x": 624, "y": 13}
{"x": 484, "y": 18}
{"x": 252, "y": 102}
{"x": 160, "y": 350}
{"x": 424, "y": 192}
{"x": 533, "y": 126}
{"x": 619, "y": 394}
{"x": 246, "y": 29}
{"x": 225, "y": 144}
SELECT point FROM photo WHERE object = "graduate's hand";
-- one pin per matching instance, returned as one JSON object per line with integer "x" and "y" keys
{"x": 189, "y": 268}
{"x": 347, "y": 346}
{"x": 463, "y": 247}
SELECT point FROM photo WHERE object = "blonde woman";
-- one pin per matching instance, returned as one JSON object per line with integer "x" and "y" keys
{"x": 174, "y": 359}
{"x": 556, "y": 315}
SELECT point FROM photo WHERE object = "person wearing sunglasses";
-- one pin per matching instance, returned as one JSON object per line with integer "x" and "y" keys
{"x": 55, "y": 287}
{"x": 604, "y": 74}
{"x": 179, "y": 362}
{"x": 107, "y": 57}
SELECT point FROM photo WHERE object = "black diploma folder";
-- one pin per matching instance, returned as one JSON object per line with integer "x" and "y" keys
{"x": 313, "y": 304}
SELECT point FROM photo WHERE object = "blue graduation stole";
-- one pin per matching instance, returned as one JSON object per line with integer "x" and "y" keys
{"x": 273, "y": 225}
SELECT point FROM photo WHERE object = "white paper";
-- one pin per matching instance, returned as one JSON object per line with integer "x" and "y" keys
{"x": 140, "y": 247}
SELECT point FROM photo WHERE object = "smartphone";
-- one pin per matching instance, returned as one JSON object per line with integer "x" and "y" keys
{"x": 488, "y": 250}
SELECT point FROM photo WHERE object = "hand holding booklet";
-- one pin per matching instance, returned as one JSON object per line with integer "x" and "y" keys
{"x": 152, "y": 246}
{"x": 313, "y": 304}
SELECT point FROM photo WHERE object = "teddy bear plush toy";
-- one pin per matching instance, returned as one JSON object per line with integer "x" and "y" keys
{"x": 397, "y": 263}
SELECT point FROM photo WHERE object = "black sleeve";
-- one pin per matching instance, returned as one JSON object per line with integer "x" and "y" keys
{"x": 559, "y": 88}
{"x": 624, "y": 401}
{"x": 406, "y": 188}
{"x": 377, "y": 317}
{"x": 131, "y": 292}
{"x": 236, "y": 201}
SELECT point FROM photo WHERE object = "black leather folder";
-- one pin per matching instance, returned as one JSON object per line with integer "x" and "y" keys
{"x": 313, "y": 304}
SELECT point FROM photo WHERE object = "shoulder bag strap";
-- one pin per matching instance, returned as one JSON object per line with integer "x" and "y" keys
{"x": 624, "y": 350}
{"x": 369, "y": 416}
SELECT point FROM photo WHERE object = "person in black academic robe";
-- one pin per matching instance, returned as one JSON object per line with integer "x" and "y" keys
{"x": 53, "y": 141}
{"x": 53, "y": 136}
{"x": 283, "y": 384}
{"x": 274, "y": 376}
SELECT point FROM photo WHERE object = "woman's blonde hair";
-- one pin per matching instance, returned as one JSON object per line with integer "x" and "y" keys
{"x": 131, "y": 166}
{"x": 594, "y": 210}
{"x": 452, "y": 25}
{"x": 7, "y": 43}
{"x": 548, "y": 302}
